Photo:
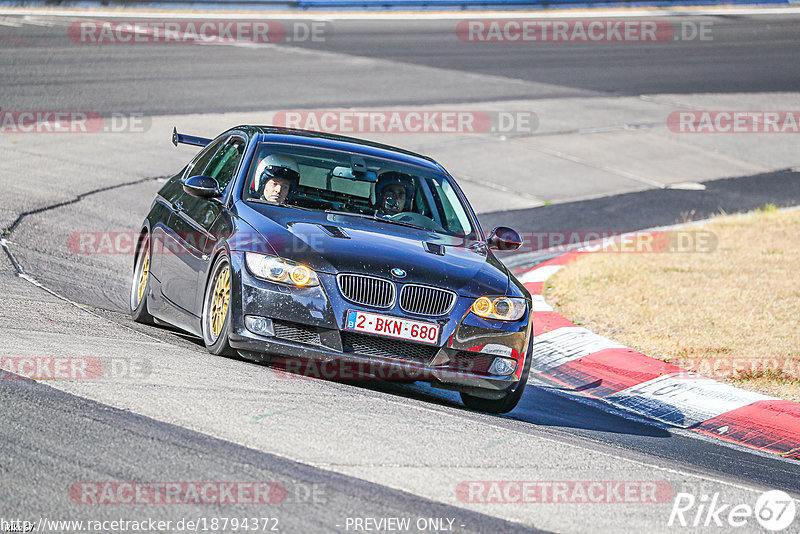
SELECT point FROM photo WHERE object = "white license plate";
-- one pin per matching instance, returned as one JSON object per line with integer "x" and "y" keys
{"x": 397, "y": 327}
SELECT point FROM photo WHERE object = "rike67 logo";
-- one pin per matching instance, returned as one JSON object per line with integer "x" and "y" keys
{"x": 774, "y": 510}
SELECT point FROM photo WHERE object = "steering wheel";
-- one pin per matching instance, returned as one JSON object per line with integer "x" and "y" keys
{"x": 417, "y": 219}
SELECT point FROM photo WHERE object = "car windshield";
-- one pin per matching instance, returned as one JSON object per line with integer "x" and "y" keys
{"x": 350, "y": 184}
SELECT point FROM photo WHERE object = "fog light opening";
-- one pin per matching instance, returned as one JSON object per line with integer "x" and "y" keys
{"x": 503, "y": 366}
{"x": 259, "y": 325}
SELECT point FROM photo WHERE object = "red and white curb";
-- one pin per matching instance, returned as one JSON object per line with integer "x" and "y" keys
{"x": 599, "y": 368}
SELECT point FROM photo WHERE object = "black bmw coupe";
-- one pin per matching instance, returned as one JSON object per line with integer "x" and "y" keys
{"x": 320, "y": 248}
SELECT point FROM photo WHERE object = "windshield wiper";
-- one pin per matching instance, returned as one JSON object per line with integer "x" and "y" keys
{"x": 350, "y": 213}
{"x": 379, "y": 219}
{"x": 268, "y": 203}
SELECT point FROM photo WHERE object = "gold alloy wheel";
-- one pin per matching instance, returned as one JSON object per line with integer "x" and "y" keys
{"x": 219, "y": 300}
{"x": 143, "y": 275}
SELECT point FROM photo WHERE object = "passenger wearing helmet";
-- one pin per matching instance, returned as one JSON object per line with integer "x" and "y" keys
{"x": 277, "y": 174}
{"x": 395, "y": 192}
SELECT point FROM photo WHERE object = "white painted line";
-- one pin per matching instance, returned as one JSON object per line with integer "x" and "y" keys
{"x": 388, "y": 15}
{"x": 37, "y": 21}
{"x": 242, "y": 44}
{"x": 687, "y": 186}
{"x": 10, "y": 22}
{"x": 540, "y": 305}
{"x": 684, "y": 399}
{"x": 566, "y": 344}
{"x": 540, "y": 274}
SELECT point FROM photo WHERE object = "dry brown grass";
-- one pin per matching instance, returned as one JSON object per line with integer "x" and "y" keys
{"x": 732, "y": 314}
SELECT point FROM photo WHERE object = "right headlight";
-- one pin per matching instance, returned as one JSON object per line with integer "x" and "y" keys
{"x": 501, "y": 308}
{"x": 277, "y": 269}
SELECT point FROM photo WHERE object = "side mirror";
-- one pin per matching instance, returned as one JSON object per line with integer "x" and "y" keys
{"x": 504, "y": 238}
{"x": 202, "y": 187}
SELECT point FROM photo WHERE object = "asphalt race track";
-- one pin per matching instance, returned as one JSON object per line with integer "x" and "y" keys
{"x": 747, "y": 54}
{"x": 348, "y": 450}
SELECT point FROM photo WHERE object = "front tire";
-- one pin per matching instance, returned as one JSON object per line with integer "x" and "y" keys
{"x": 140, "y": 284}
{"x": 216, "y": 319}
{"x": 502, "y": 405}
{"x": 508, "y": 402}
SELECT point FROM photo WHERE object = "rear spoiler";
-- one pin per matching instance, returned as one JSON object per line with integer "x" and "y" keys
{"x": 188, "y": 139}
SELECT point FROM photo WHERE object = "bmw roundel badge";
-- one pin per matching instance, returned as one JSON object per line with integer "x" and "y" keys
{"x": 398, "y": 273}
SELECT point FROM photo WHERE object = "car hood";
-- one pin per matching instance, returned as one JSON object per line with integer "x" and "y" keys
{"x": 332, "y": 243}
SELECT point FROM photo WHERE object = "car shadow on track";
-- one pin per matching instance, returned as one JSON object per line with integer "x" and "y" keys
{"x": 540, "y": 405}
{"x": 547, "y": 406}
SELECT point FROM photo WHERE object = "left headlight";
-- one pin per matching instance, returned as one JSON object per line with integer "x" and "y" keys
{"x": 279, "y": 270}
{"x": 502, "y": 308}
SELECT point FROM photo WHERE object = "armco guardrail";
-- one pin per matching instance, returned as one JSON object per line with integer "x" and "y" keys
{"x": 222, "y": 5}
{"x": 511, "y": 4}
{"x": 388, "y": 4}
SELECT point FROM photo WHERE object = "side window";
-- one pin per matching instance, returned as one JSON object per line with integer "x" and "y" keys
{"x": 201, "y": 163}
{"x": 456, "y": 219}
{"x": 420, "y": 204}
{"x": 225, "y": 162}
{"x": 202, "y": 211}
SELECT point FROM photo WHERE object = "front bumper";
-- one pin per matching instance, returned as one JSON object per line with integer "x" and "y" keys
{"x": 309, "y": 323}
{"x": 356, "y": 366}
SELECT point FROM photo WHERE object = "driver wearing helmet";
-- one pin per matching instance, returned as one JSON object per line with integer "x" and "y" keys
{"x": 278, "y": 173}
{"x": 395, "y": 192}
